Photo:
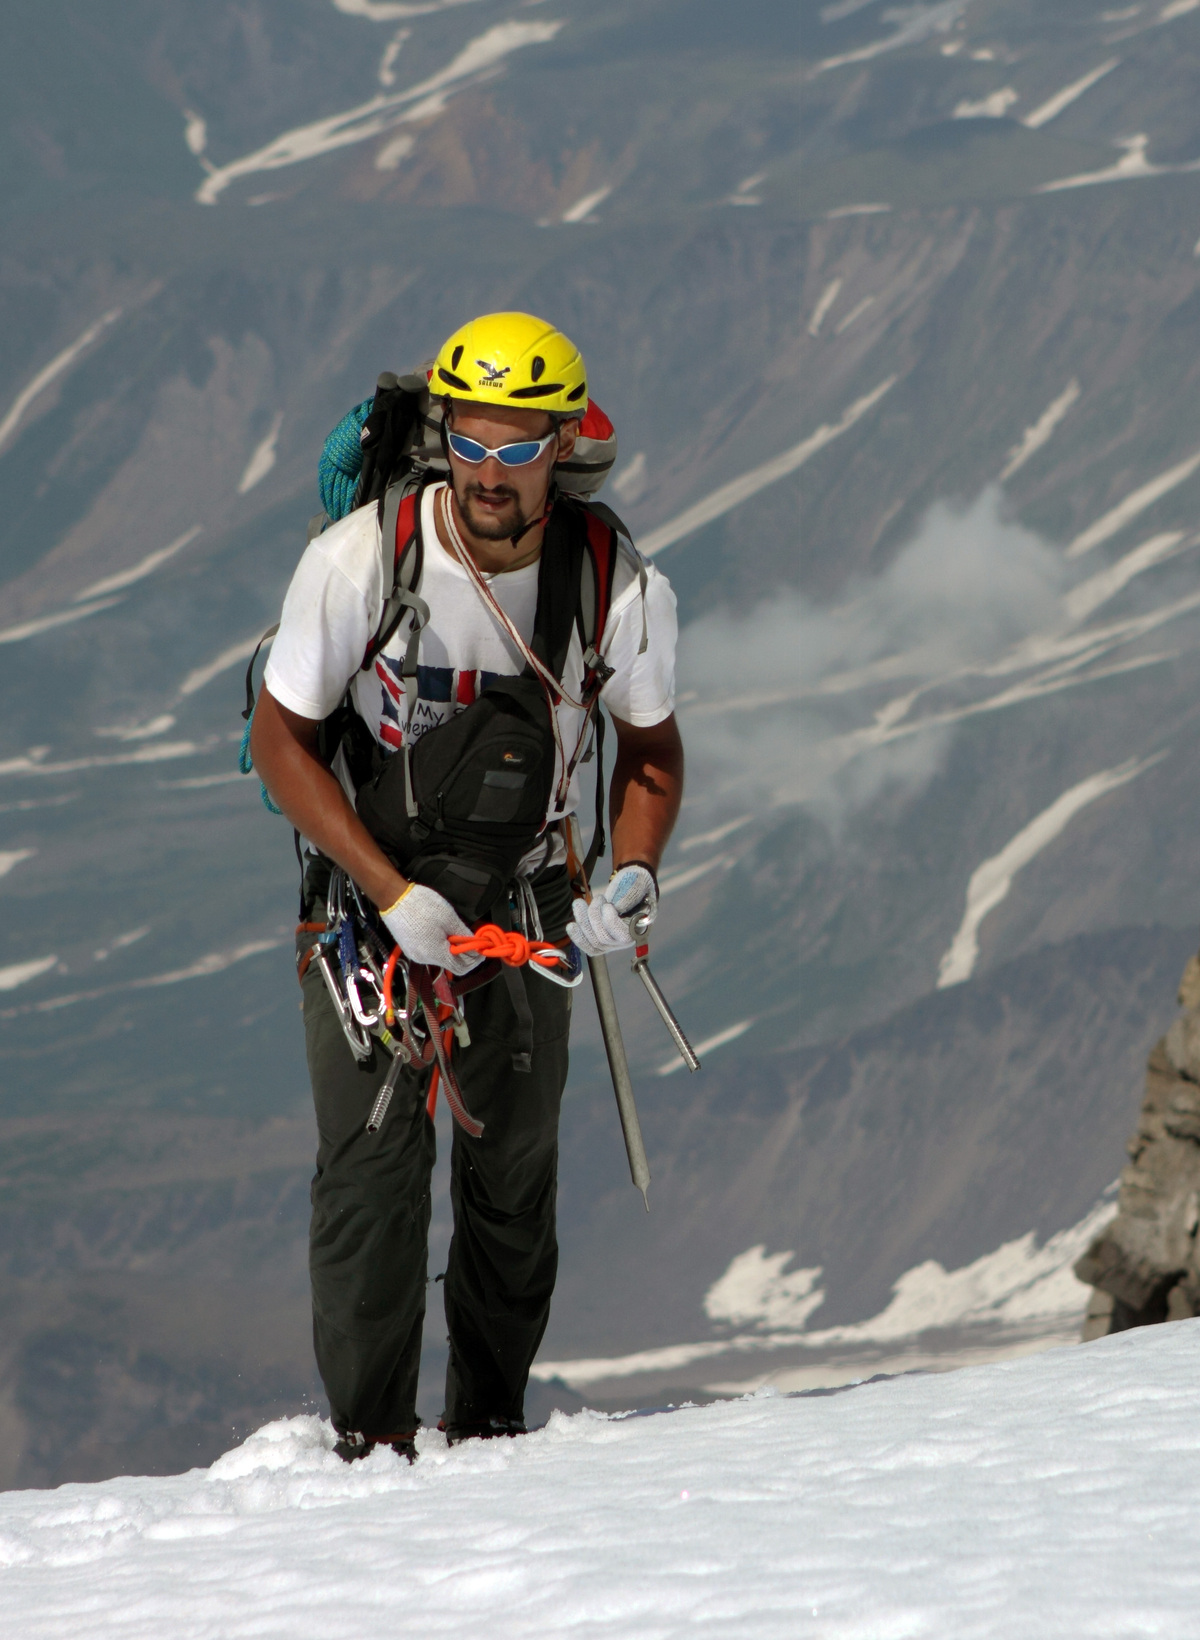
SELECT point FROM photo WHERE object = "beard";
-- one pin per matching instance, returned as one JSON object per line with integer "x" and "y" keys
{"x": 490, "y": 526}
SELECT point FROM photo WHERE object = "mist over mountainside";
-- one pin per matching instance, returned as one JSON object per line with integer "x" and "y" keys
{"x": 946, "y": 748}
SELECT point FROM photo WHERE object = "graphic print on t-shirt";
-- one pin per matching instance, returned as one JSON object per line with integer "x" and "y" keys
{"x": 441, "y": 693}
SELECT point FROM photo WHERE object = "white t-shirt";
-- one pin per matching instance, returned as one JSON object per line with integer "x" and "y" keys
{"x": 333, "y": 608}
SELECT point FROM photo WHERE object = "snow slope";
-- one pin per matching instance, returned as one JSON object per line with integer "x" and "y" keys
{"x": 1044, "y": 1497}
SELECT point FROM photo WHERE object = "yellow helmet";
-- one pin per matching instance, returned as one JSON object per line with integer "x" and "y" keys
{"x": 512, "y": 358}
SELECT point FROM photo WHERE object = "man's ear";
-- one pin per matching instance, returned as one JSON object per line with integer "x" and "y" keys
{"x": 568, "y": 432}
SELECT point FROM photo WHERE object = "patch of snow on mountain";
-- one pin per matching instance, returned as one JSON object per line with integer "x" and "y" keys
{"x": 630, "y": 483}
{"x": 213, "y": 962}
{"x": 1054, "y": 106}
{"x": 1019, "y": 1282}
{"x": 823, "y": 304}
{"x": 1084, "y": 599}
{"x": 139, "y": 731}
{"x": 138, "y": 572}
{"x": 990, "y": 882}
{"x": 1018, "y": 1285}
{"x": 202, "y": 675}
{"x": 1132, "y": 165}
{"x": 1039, "y": 434}
{"x": 755, "y": 1291}
{"x": 855, "y": 313}
{"x": 10, "y": 858}
{"x": 58, "y": 364}
{"x": 843, "y": 8}
{"x": 913, "y": 24}
{"x": 390, "y": 11}
{"x": 47, "y": 623}
{"x": 732, "y": 495}
{"x": 195, "y": 132}
{"x": 20, "y": 973}
{"x": 262, "y": 458}
{"x": 582, "y": 209}
{"x": 856, "y": 210}
{"x": 31, "y": 764}
{"x": 1115, "y": 520}
{"x": 371, "y": 119}
{"x": 395, "y": 151}
{"x": 992, "y": 107}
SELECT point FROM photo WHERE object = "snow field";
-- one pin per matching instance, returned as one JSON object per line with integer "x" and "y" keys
{"x": 1050, "y": 1496}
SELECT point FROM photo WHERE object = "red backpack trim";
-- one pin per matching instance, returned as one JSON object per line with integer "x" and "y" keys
{"x": 602, "y": 546}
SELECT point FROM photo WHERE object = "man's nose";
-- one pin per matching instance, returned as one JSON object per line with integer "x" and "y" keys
{"x": 493, "y": 473}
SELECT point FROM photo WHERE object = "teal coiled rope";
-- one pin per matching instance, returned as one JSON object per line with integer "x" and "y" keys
{"x": 247, "y": 767}
{"x": 341, "y": 462}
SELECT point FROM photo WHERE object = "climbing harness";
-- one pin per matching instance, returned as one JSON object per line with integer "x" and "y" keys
{"x": 365, "y": 974}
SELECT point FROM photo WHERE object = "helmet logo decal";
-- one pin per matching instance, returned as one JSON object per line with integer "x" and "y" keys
{"x": 492, "y": 376}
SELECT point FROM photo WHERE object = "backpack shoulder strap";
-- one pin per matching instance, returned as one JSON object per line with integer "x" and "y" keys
{"x": 595, "y": 588}
{"x": 403, "y": 552}
{"x": 560, "y": 571}
{"x": 601, "y": 517}
{"x": 400, "y": 535}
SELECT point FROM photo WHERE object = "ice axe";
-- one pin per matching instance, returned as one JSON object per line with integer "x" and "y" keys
{"x": 610, "y": 1030}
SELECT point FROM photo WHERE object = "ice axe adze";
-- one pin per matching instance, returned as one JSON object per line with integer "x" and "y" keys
{"x": 610, "y": 1030}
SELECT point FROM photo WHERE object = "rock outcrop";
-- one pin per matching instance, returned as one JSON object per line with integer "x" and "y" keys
{"x": 1145, "y": 1264}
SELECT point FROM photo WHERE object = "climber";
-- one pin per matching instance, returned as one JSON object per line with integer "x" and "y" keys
{"x": 490, "y": 605}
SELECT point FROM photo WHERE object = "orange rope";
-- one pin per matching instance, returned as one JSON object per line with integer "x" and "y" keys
{"x": 512, "y": 948}
{"x": 389, "y": 974}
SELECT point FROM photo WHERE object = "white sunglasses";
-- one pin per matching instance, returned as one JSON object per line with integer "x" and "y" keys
{"x": 508, "y": 455}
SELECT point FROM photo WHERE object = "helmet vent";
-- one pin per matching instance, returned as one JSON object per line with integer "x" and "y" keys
{"x": 537, "y": 368}
{"x": 456, "y": 356}
{"x": 577, "y": 393}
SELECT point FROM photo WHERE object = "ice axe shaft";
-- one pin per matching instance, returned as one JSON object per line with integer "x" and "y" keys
{"x": 618, "y": 1065}
{"x": 610, "y": 1030}
{"x": 641, "y": 967}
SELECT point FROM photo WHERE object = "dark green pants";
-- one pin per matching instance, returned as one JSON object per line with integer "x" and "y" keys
{"x": 370, "y": 1219}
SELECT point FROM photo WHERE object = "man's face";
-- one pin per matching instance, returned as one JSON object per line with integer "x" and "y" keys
{"x": 497, "y": 501}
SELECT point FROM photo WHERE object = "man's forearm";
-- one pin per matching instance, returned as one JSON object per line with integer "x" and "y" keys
{"x": 283, "y": 746}
{"x": 646, "y": 791}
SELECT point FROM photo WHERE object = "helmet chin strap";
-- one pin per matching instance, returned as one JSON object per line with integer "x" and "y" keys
{"x": 515, "y": 540}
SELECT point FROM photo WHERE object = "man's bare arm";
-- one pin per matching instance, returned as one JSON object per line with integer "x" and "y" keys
{"x": 284, "y": 748}
{"x": 646, "y": 791}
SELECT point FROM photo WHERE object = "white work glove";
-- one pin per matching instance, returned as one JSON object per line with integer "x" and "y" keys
{"x": 421, "y": 923}
{"x": 604, "y": 925}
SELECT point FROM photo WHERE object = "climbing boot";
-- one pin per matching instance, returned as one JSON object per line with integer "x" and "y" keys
{"x": 351, "y": 1445}
{"x": 486, "y": 1429}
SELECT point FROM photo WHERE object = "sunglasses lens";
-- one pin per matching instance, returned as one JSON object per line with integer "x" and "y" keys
{"x": 519, "y": 455}
{"x": 466, "y": 449}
